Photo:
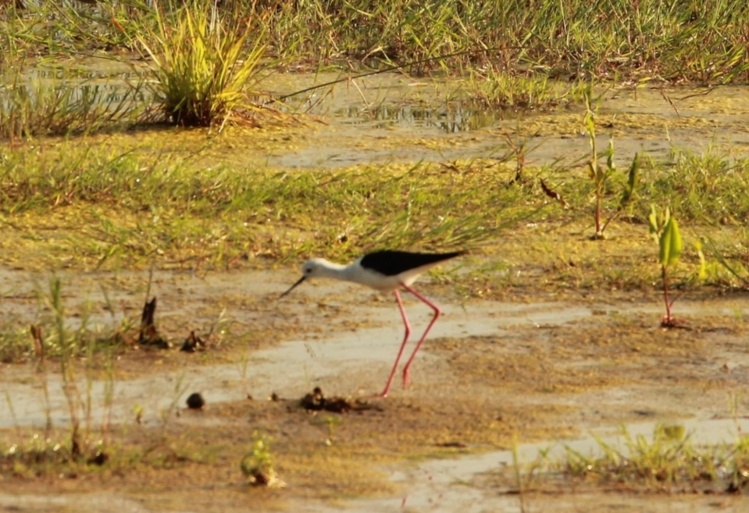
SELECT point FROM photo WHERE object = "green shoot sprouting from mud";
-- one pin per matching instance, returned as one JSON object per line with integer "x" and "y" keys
{"x": 665, "y": 230}
{"x": 257, "y": 464}
{"x": 600, "y": 175}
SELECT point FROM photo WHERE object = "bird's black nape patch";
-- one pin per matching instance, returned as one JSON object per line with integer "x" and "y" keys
{"x": 391, "y": 263}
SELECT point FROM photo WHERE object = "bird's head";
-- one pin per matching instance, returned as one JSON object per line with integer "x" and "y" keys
{"x": 310, "y": 269}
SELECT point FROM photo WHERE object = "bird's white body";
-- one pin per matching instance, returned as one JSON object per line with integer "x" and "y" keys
{"x": 354, "y": 272}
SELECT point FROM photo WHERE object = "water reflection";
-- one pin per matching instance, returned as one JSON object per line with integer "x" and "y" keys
{"x": 66, "y": 73}
{"x": 108, "y": 95}
{"x": 453, "y": 118}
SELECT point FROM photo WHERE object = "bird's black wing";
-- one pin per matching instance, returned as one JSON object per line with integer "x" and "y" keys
{"x": 392, "y": 262}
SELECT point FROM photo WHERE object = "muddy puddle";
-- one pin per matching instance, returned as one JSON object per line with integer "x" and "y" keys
{"x": 362, "y": 340}
{"x": 316, "y": 336}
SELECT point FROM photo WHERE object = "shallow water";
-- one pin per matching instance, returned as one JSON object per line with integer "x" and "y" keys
{"x": 449, "y": 485}
{"x": 391, "y": 117}
{"x": 363, "y": 343}
{"x": 368, "y": 115}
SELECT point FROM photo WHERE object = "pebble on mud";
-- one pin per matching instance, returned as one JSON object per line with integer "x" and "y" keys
{"x": 195, "y": 401}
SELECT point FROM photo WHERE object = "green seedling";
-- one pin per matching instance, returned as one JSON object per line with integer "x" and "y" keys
{"x": 600, "y": 175}
{"x": 331, "y": 422}
{"x": 257, "y": 464}
{"x": 518, "y": 474}
{"x": 138, "y": 412}
{"x": 665, "y": 230}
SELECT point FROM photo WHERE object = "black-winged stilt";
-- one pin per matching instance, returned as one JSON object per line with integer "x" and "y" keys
{"x": 384, "y": 270}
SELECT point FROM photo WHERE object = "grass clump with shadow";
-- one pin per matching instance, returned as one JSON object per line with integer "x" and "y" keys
{"x": 200, "y": 65}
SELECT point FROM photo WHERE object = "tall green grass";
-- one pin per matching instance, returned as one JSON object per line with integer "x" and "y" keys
{"x": 673, "y": 40}
{"x": 578, "y": 39}
{"x": 202, "y": 63}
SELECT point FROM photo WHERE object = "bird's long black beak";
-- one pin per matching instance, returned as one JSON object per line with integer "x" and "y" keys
{"x": 293, "y": 286}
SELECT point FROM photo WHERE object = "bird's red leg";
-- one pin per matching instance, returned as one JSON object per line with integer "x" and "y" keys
{"x": 403, "y": 345}
{"x": 437, "y": 312}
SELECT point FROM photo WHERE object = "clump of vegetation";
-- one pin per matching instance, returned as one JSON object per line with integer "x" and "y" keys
{"x": 502, "y": 90}
{"x": 200, "y": 64}
{"x": 668, "y": 462}
{"x": 733, "y": 263}
{"x": 257, "y": 464}
{"x": 51, "y": 338}
{"x": 707, "y": 186}
{"x": 600, "y": 175}
{"x": 42, "y": 455}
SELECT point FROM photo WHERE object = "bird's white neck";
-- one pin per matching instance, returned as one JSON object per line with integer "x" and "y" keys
{"x": 329, "y": 269}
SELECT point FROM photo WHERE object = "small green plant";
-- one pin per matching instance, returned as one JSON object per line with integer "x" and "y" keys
{"x": 331, "y": 423}
{"x": 601, "y": 175}
{"x": 200, "y": 64}
{"x": 257, "y": 464}
{"x": 665, "y": 230}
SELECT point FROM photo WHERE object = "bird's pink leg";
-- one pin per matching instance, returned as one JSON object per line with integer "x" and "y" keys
{"x": 437, "y": 312}
{"x": 403, "y": 345}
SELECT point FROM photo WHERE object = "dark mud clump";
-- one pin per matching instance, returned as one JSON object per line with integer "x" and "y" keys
{"x": 316, "y": 401}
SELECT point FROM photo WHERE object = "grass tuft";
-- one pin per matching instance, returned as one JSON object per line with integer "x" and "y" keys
{"x": 199, "y": 65}
{"x": 669, "y": 462}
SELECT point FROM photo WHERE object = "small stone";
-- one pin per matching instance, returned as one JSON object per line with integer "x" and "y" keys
{"x": 195, "y": 401}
